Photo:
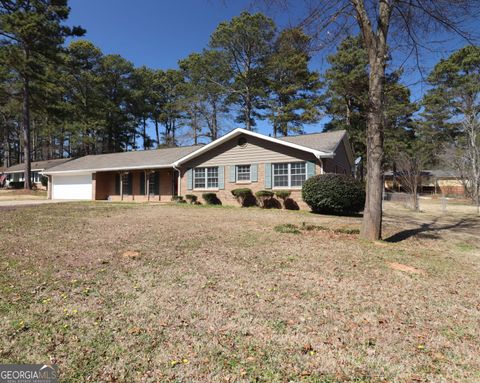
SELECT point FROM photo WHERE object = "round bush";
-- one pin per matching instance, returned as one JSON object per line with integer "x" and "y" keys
{"x": 334, "y": 194}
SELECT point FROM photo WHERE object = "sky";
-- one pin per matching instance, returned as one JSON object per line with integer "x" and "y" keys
{"x": 158, "y": 33}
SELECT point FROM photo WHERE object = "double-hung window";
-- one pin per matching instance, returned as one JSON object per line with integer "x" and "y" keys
{"x": 289, "y": 174}
{"x": 243, "y": 173}
{"x": 205, "y": 178}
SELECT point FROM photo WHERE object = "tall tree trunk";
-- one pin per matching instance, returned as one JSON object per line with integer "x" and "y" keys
{"x": 376, "y": 44}
{"x": 157, "y": 133}
{"x": 214, "y": 122}
{"x": 195, "y": 128}
{"x": 372, "y": 216}
{"x": 26, "y": 132}
{"x": 144, "y": 133}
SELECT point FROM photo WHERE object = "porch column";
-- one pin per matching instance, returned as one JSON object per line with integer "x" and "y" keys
{"x": 121, "y": 186}
{"x": 94, "y": 186}
{"x": 49, "y": 187}
{"x": 147, "y": 184}
{"x": 179, "y": 180}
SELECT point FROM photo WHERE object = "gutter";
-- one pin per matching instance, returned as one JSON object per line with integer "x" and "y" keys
{"x": 108, "y": 169}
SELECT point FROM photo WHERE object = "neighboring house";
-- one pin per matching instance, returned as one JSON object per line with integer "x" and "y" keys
{"x": 239, "y": 159}
{"x": 437, "y": 181}
{"x": 16, "y": 173}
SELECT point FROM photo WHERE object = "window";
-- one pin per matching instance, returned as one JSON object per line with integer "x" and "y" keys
{"x": 243, "y": 172}
{"x": 205, "y": 178}
{"x": 289, "y": 175}
{"x": 153, "y": 183}
{"x": 36, "y": 178}
{"x": 298, "y": 174}
{"x": 127, "y": 183}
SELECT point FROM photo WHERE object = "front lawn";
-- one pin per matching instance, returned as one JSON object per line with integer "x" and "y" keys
{"x": 146, "y": 293}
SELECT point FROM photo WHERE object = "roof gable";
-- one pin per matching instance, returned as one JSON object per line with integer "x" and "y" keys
{"x": 237, "y": 132}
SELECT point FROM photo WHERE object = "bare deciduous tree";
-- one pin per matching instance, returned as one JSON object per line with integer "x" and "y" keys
{"x": 464, "y": 155}
{"x": 409, "y": 175}
{"x": 404, "y": 24}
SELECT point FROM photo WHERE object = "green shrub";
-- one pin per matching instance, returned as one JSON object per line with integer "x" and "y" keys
{"x": 16, "y": 184}
{"x": 211, "y": 199}
{"x": 178, "y": 199}
{"x": 44, "y": 181}
{"x": 244, "y": 197}
{"x": 192, "y": 198}
{"x": 265, "y": 198}
{"x": 283, "y": 194}
{"x": 334, "y": 194}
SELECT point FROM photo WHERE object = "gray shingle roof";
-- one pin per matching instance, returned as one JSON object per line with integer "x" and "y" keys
{"x": 126, "y": 160}
{"x": 325, "y": 142}
{"x": 38, "y": 165}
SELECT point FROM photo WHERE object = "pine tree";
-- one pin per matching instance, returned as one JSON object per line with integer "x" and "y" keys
{"x": 32, "y": 33}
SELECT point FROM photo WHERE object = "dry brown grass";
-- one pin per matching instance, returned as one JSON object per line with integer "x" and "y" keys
{"x": 21, "y": 194}
{"x": 216, "y": 294}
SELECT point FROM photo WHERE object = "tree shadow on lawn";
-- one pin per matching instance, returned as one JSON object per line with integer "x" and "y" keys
{"x": 467, "y": 223}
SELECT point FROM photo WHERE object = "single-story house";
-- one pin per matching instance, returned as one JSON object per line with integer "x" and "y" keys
{"x": 16, "y": 173}
{"x": 241, "y": 158}
{"x": 437, "y": 181}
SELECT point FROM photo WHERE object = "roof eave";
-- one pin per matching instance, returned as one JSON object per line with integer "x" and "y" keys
{"x": 108, "y": 169}
{"x": 6, "y": 171}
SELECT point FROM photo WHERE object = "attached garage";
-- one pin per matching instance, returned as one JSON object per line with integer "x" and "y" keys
{"x": 78, "y": 186}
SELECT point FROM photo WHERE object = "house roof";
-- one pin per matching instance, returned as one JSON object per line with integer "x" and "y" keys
{"x": 322, "y": 145}
{"x": 325, "y": 142}
{"x": 236, "y": 132}
{"x": 158, "y": 158}
{"x": 37, "y": 166}
{"x": 439, "y": 173}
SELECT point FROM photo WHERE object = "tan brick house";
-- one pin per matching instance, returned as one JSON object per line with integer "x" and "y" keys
{"x": 241, "y": 158}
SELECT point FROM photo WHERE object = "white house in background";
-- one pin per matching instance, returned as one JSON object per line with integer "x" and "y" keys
{"x": 16, "y": 173}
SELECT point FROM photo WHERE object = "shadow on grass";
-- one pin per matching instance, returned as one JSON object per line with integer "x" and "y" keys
{"x": 431, "y": 229}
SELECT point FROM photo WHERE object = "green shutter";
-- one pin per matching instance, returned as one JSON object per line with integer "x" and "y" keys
{"x": 130, "y": 184}
{"x": 117, "y": 184}
{"x": 189, "y": 179}
{"x": 156, "y": 184}
{"x": 233, "y": 169}
{"x": 268, "y": 176}
{"x": 142, "y": 183}
{"x": 254, "y": 172}
{"x": 221, "y": 177}
{"x": 310, "y": 169}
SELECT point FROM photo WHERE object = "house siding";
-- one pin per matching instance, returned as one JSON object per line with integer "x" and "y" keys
{"x": 339, "y": 163}
{"x": 256, "y": 151}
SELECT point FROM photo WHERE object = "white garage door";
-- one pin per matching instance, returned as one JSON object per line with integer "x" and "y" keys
{"x": 72, "y": 187}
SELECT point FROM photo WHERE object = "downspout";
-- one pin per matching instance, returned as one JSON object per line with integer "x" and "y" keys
{"x": 317, "y": 155}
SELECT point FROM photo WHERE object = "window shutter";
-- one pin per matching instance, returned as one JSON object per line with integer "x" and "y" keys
{"x": 130, "y": 183}
{"x": 268, "y": 176}
{"x": 310, "y": 169}
{"x": 117, "y": 184}
{"x": 254, "y": 173}
{"x": 189, "y": 179}
{"x": 232, "y": 173}
{"x": 156, "y": 184}
{"x": 142, "y": 183}
{"x": 221, "y": 177}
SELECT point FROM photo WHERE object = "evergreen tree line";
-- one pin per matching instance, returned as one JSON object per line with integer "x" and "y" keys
{"x": 75, "y": 100}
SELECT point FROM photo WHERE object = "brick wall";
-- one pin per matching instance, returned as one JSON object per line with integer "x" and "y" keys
{"x": 225, "y": 195}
